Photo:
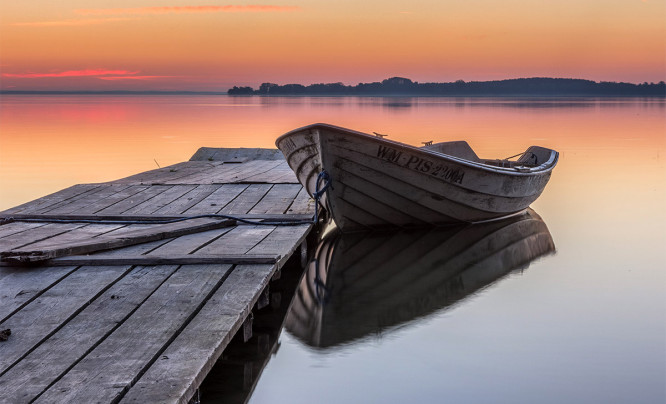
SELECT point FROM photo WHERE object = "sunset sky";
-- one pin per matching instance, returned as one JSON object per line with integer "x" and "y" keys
{"x": 213, "y": 45}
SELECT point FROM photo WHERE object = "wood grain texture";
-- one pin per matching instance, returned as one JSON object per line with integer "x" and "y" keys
{"x": 113, "y": 366}
{"x": 163, "y": 199}
{"x": 149, "y": 195}
{"x": 66, "y": 194}
{"x": 52, "y": 309}
{"x": 111, "y": 241}
{"x": 277, "y": 200}
{"x": 169, "y": 259}
{"x": 35, "y": 235}
{"x": 175, "y": 378}
{"x": 51, "y": 359}
{"x": 238, "y": 241}
{"x": 124, "y": 193}
{"x": 217, "y": 200}
{"x": 247, "y": 199}
{"x": 302, "y": 204}
{"x": 185, "y": 202}
{"x": 87, "y": 199}
{"x": 85, "y": 232}
{"x": 10, "y": 229}
{"x": 19, "y": 286}
{"x": 147, "y": 311}
{"x": 282, "y": 241}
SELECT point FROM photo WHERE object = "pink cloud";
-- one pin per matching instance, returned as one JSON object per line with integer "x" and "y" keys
{"x": 188, "y": 9}
{"x": 71, "y": 73}
{"x": 132, "y": 77}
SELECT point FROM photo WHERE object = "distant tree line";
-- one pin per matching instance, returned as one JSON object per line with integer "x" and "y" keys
{"x": 401, "y": 86}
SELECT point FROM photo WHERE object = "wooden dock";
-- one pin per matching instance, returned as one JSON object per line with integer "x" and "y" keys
{"x": 117, "y": 305}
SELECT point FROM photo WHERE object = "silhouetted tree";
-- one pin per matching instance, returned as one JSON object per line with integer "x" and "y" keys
{"x": 536, "y": 86}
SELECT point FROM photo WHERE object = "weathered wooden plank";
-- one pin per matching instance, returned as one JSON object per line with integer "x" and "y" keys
{"x": 193, "y": 353}
{"x": 66, "y": 194}
{"x": 51, "y": 359}
{"x": 165, "y": 174}
{"x": 113, "y": 366}
{"x": 288, "y": 176}
{"x": 217, "y": 174}
{"x": 100, "y": 357}
{"x": 89, "y": 198}
{"x": 235, "y": 154}
{"x": 18, "y": 286}
{"x": 186, "y": 201}
{"x": 151, "y": 218}
{"x": 137, "y": 249}
{"x": 145, "y": 177}
{"x": 52, "y": 309}
{"x": 262, "y": 166}
{"x": 131, "y": 228}
{"x": 120, "y": 196}
{"x": 126, "y": 204}
{"x": 252, "y": 169}
{"x": 35, "y": 234}
{"x": 277, "y": 200}
{"x": 191, "y": 243}
{"x": 271, "y": 175}
{"x": 302, "y": 204}
{"x": 163, "y": 199}
{"x": 247, "y": 199}
{"x": 238, "y": 241}
{"x": 217, "y": 200}
{"x": 194, "y": 171}
{"x": 283, "y": 241}
{"x": 85, "y": 232}
{"x": 202, "y": 176}
{"x": 9, "y": 229}
{"x": 171, "y": 259}
{"x": 110, "y": 241}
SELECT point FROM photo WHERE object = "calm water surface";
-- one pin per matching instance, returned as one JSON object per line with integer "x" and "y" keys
{"x": 585, "y": 323}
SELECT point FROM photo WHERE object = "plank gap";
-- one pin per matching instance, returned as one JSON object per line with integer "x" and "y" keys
{"x": 105, "y": 336}
{"x": 67, "y": 320}
{"x": 180, "y": 329}
{"x": 38, "y": 294}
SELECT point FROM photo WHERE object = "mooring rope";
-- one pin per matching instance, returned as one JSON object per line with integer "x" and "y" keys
{"x": 319, "y": 192}
{"x": 323, "y": 175}
{"x": 152, "y": 221}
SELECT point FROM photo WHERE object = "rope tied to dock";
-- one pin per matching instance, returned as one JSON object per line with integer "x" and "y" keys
{"x": 323, "y": 178}
{"x": 322, "y": 185}
{"x": 8, "y": 220}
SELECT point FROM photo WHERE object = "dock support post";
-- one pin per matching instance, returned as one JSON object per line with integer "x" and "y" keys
{"x": 247, "y": 327}
{"x": 264, "y": 300}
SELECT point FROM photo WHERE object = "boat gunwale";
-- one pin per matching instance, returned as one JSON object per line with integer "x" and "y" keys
{"x": 525, "y": 171}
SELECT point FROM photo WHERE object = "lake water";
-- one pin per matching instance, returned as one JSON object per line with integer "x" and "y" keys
{"x": 585, "y": 323}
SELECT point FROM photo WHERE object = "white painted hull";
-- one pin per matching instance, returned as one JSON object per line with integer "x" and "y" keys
{"x": 379, "y": 183}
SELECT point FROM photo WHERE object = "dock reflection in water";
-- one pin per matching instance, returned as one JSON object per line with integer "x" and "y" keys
{"x": 365, "y": 283}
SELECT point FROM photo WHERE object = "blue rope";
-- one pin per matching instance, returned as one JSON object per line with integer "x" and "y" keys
{"x": 323, "y": 175}
{"x": 317, "y": 196}
{"x": 215, "y": 216}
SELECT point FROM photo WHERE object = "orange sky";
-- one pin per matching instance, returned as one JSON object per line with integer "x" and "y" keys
{"x": 209, "y": 45}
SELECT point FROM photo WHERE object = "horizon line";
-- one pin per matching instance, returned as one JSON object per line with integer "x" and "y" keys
{"x": 226, "y": 92}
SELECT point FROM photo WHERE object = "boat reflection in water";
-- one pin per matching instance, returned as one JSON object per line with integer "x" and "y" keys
{"x": 364, "y": 283}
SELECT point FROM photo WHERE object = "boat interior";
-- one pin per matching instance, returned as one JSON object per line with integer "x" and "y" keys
{"x": 531, "y": 157}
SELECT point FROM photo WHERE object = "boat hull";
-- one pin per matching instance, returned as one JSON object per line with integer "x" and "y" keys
{"x": 377, "y": 183}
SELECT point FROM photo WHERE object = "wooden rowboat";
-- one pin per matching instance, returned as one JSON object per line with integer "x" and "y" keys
{"x": 369, "y": 283}
{"x": 376, "y": 182}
